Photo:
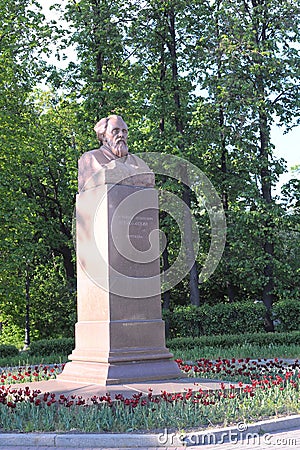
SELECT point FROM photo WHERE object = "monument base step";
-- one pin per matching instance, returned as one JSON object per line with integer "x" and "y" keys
{"x": 109, "y": 374}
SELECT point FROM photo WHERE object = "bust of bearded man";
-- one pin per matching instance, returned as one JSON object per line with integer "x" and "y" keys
{"x": 112, "y": 163}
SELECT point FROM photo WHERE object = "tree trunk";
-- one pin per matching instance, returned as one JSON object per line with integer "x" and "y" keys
{"x": 165, "y": 253}
{"x": 166, "y": 294}
{"x": 188, "y": 240}
{"x": 193, "y": 281}
{"x": 229, "y": 285}
{"x": 68, "y": 263}
{"x": 224, "y": 156}
{"x": 268, "y": 296}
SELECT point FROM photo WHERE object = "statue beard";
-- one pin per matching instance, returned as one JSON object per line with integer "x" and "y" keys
{"x": 120, "y": 148}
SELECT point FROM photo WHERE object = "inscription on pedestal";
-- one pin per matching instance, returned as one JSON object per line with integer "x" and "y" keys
{"x": 131, "y": 249}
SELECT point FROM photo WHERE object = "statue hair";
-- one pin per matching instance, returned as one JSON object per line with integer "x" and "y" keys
{"x": 101, "y": 126}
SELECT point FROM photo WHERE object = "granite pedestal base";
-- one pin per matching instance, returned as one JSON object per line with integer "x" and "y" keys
{"x": 119, "y": 373}
{"x": 120, "y": 335}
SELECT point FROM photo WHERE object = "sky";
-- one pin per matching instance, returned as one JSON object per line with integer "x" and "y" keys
{"x": 287, "y": 146}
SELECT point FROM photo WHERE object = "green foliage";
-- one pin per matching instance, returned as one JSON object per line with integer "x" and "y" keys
{"x": 53, "y": 302}
{"x": 203, "y": 80}
{"x": 11, "y": 333}
{"x": 45, "y": 347}
{"x": 227, "y": 341}
{"x": 227, "y": 318}
{"x": 286, "y": 315}
{"x": 238, "y": 351}
{"x": 36, "y": 220}
{"x": 37, "y": 164}
{"x": 8, "y": 350}
{"x": 24, "y": 359}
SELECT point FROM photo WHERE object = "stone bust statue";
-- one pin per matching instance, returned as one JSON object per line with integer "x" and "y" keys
{"x": 112, "y": 163}
{"x": 112, "y": 133}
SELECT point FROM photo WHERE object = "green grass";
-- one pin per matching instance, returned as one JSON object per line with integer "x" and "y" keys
{"x": 239, "y": 351}
{"x": 24, "y": 359}
{"x": 236, "y": 351}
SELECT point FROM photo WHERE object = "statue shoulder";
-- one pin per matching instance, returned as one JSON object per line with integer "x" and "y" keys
{"x": 95, "y": 154}
{"x": 89, "y": 164}
{"x": 137, "y": 162}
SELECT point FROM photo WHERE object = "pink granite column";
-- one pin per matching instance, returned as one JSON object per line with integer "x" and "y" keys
{"x": 119, "y": 336}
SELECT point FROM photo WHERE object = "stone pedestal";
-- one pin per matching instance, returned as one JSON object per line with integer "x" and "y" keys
{"x": 119, "y": 336}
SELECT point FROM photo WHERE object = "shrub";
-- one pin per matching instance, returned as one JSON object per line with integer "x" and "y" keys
{"x": 8, "y": 350}
{"x": 227, "y": 318}
{"x": 46, "y": 347}
{"x": 286, "y": 315}
{"x": 12, "y": 334}
{"x": 225, "y": 341}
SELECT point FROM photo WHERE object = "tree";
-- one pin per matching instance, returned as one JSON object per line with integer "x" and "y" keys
{"x": 23, "y": 38}
{"x": 40, "y": 183}
{"x": 251, "y": 76}
{"x": 204, "y": 80}
{"x": 288, "y": 255}
{"x": 98, "y": 79}
{"x": 161, "y": 29}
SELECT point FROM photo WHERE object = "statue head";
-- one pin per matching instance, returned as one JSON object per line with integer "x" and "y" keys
{"x": 112, "y": 132}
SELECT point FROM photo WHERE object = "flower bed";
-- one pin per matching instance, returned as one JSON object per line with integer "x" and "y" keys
{"x": 238, "y": 369}
{"x": 28, "y": 374}
{"x": 272, "y": 389}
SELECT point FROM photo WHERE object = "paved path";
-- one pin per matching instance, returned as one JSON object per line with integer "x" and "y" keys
{"x": 283, "y": 433}
{"x": 87, "y": 391}
{"x": 287, "y": 439}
